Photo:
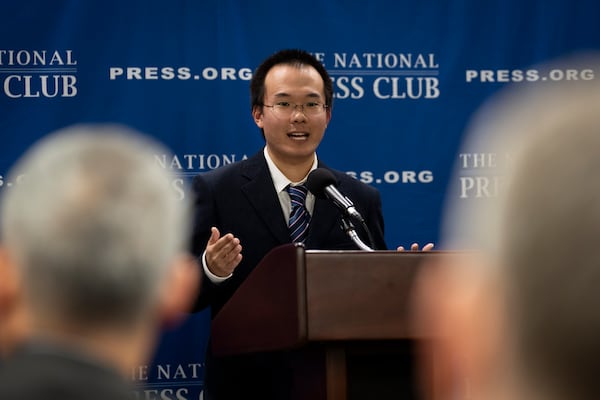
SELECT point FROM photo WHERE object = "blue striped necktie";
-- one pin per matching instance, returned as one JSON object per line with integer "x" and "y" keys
{"x": 299, "y": 216}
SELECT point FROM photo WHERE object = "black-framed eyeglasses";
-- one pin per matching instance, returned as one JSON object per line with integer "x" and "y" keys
{"x": 286, "y": 108}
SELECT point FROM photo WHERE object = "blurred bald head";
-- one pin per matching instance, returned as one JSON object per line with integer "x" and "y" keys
{"x": 536, "y": 241}
{"x": 548, "y": 244}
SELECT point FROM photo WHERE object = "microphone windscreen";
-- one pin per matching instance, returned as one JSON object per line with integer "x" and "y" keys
{"x": 318, "y": 180}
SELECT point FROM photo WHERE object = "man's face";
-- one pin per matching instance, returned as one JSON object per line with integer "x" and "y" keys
{"x": 292, "y": 138}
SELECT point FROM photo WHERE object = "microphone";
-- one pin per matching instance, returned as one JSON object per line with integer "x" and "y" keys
{"x": 321, "y": 182}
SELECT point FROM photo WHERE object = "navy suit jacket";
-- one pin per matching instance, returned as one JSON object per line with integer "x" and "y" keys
{"x": 240, "y": 198}
{"x": 48, "y": 371}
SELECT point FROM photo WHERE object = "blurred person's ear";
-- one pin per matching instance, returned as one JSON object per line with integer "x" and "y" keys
{"x": 460, "y": 314}
{"x": 8, "y": 283}
{"x": 180, "y": 289}
{"x": 13, "y": 321}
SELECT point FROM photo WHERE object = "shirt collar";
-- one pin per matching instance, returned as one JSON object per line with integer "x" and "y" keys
{"x": 279, "y": 179}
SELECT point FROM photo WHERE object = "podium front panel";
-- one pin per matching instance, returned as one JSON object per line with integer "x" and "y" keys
{"x": 357, "y": 295}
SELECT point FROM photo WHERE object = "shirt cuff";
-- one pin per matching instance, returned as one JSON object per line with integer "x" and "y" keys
{"x": 212, "y": 277}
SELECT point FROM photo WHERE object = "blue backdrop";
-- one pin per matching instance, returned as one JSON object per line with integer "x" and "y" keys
{"x": 407, "y": 76}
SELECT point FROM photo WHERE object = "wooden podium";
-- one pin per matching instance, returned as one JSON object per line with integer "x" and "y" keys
{"x": 345, "y": 313}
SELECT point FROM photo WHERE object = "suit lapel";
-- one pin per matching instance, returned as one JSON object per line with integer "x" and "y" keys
{"x": 261, "y": 194}
{"x": 327, "y": 215}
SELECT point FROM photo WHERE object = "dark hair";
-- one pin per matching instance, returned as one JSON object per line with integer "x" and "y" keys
{"x": 294, "y": 57}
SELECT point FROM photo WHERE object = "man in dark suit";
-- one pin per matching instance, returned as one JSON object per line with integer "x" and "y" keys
{"x": 247, "y": 201}
{"x": 243, "y": 209}
{"x": 92, "y": 264}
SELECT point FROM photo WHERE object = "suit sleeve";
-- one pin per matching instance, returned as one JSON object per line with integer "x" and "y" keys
{"x": 204, "y": 219}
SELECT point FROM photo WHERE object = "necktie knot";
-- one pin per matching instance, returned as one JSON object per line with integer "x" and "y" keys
{"x": 299, "y": 216}
{"x": 297, "y": 194}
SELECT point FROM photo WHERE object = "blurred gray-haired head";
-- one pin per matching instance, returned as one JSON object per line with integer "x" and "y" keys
{"x": 94, "y": 224}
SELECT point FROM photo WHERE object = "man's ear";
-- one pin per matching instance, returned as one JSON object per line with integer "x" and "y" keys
{"x": 257, "y": 115}
{"x": 180, "y": 290}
